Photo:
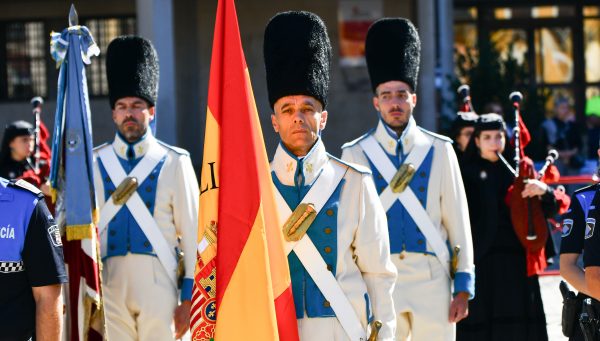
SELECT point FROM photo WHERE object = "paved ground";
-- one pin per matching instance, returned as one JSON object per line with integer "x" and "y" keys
{"x": 552, "y": 306}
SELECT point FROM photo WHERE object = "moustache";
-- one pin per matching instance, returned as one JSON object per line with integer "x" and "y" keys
{"x": 397, "y": 110}
{"x": 129, "y": 120}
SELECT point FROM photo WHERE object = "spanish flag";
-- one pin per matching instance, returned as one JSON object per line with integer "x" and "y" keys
{"x": 238, "y": 231}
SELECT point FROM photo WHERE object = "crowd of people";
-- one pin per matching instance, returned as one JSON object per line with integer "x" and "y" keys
{"x": 418, "y": 230}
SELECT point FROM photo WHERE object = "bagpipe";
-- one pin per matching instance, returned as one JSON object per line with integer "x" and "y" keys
{"x": 39, "y": 163}
{"x": 527, "y": 215}
{"x": 464, "y": 93}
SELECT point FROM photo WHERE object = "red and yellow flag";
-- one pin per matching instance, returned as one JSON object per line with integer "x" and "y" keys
{"x": 253, "y": 298}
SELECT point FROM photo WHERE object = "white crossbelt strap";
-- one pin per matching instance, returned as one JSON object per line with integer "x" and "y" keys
{"x": 407, "y": 198}
{"x": 136, "y": 205}
{"x": 309, "y": 256}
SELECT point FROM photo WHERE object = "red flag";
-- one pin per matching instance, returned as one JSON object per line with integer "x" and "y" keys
{"x": 253, "y": 295}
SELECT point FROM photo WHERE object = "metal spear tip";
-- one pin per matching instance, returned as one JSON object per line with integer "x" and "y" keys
{"x": 73, "y": 18}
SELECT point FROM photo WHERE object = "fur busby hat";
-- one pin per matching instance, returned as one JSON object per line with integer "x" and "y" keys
{"x": 297, "y": 56}
{"x": 132, "y": 69}
{"x": 393, "y": 52}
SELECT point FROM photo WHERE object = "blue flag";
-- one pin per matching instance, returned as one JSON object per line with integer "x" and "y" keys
{"x": 71, "y": 178}
{"x": 72, "y": 138}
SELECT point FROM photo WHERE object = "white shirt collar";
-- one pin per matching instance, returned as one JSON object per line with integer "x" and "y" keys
{"x": 140, "y": 148}
{"x": 285, "y": 164}
{"x": 389, "y": 140}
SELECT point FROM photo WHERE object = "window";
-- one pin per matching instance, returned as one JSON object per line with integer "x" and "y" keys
{"x": 554, "y": 55}
{"x": 104, "y": 31}
{"x": 591, "y": 43}
{"x": 25, "y": 60}
{"x": 24, "y": 72}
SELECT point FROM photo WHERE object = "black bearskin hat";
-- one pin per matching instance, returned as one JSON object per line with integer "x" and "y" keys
{"x": 297, "y": 56}
{"x": 132, "y": 69}
{"x": 393, "y": 52}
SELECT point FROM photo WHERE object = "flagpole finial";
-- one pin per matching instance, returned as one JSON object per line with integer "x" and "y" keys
{"x": 73, "y": 18}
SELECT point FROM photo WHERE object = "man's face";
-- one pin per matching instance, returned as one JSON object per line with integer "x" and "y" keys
{"x": 463, "y": 138}
{"x": 395, "y": 102}
{"x": 132, "y": 115}
{"x": 298, "y": 120}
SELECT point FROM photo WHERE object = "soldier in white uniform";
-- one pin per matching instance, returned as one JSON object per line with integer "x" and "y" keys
{"x": 418, "y": 178}
{"x": 342, "y": 275}
{"x": 141, "y": 235}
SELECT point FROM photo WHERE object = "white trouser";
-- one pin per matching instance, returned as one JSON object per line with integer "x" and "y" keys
{"x": 422, "y": 298}
{"x": 139, "y": 299}
{"x": 321, "y": 328}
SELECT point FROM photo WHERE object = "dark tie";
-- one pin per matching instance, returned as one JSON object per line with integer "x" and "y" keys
{"x": 130, "y": 153}
{"x": 299, "y": 175}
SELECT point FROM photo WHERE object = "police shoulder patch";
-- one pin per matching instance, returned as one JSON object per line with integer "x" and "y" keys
{"x": 54, "y": 233}
{"x": 22, "y": 184}
{"x": 567, "y": 227}
{"x": 590, "y": 224}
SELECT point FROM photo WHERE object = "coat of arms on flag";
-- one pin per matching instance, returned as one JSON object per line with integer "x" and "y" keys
{"x": 204, "y": 301}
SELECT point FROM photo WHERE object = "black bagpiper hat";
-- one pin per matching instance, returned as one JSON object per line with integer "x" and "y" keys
{"x": 463, "y": 119}
{"x": 132, "y": 69}
{"x": 12, "y": 130}
{"x": 490, "y": 121}
{"x": 297, "y": 56}
{"x": 393, "y": 52}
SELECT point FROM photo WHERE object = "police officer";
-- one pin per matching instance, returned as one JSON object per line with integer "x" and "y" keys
{"x": 581, "y": 211}
{"x": 32, "y": 269}
{"x": 148, "y": 197}
{"x": 581, "y": 222}
{"x": 419, "y": 182}
{"x": 345, "y": 280}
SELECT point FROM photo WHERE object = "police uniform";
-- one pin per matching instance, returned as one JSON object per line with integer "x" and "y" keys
{"x": 581, "y": 211}
{"x": 139, "y": 289}
{"x": 586, "y": 225}
{"x": 30, "y": 256}
{"x": 422, "y": 293}
{"x": 349, "y": 229}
